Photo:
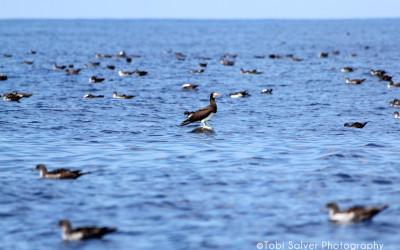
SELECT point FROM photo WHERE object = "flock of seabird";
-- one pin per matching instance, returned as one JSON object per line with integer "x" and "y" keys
{"x": 350, "y": 215}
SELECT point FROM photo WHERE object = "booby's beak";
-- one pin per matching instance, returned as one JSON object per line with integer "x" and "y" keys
{"x": 216, "y": 94}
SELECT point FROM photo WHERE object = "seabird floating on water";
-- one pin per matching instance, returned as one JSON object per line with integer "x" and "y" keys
{"x": 94, "y": 64}
{"x": 60, "y": 173}
{"x": 385, "y": 78}
{"x": 28, "y": 62}
{"x": 204, "y": 114}
{"x": 395, "y": 103}
{"x": 203, "y": 65}
{"x": 239, "y": 94}
{"x": 11, "y": 97}
{"x": 266, "y": 91}
{"x": 110, "y": 67}
{"x": 393, "y": 85}
{"x": 196, "y": 71}
{"x": 115, "y": 95}
{"x": 83, "y": 233}
{"x": 296, "y": 59}
{"x": 90, "y": 96}
{"x": 140, "y": 73}
{"x": 273, "y": 56}
{"x": 95, "y": 79}
{"x": 323, "y": 55}
{"x": 248, "y": 72}
{"x": 378, "y": 72}
{"x": 59, "y": 67}
{"x": 353, "y": 214}
{"x": 125, "y": 73}
{"x": 356, "y": 124}
{"x": 396, "y": 114}
{"x": 3, "y": 77}
{"x": 354, "y": 81}
{"x": 72, "y": 72}
{"x": 347, "y": 69}
{"x": 189, "y": 86}
{"x": 227, "y": 63}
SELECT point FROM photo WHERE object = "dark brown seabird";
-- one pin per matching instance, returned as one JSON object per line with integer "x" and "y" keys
{"x": 90, "y": 96}
{"x": 189, "y": 86}
{"x": 239, "y": 94}
{"x": 83, "y": 233}
{"x": 354, "y": 81}
{"x": 204, "y": 114}
{"x": 60, "y": 173}
{"x": 140, "y": 73}
{"x": 95, "y": 79}
{"x": 3, "y": 77}
{"x": 356, "y": 124}
{"x": 353, "y": 214}
{"x": 115, "y": 95}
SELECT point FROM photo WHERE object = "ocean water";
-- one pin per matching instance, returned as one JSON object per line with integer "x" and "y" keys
{"x": 265, "y": 175}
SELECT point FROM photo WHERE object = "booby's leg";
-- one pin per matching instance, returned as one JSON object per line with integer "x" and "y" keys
{"x": 205, "y": 126}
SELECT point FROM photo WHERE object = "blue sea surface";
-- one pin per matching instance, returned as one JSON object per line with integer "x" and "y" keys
{"x": 265, "y": 175}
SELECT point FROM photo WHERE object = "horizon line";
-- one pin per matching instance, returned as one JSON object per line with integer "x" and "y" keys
{"x": 198, "y": 18}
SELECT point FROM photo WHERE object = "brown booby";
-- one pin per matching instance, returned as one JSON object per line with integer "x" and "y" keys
{"x": 72, "y": 72}
{"x": 227, "y": 63}
{"x": 60, "y": 173}
{"x": 196, "y": 71}
{"x": 323, "y": 55}
{"x": 378, "y": 72}
{"x": 204, "y": 114}
{"x": 239, "y": 94}
{"x": 353, "y": 214}
{"x": 356, "y": 124}
{"x": 59, "y": 67}
{"x": 11, "y": 97}
{"x": 94, "y": 64}
{"x": 296, "y": 59}
{"x": 115, "y": 95}
{"x": 393, "y": 85}
{"x": 83, "y": 233}
{"x": 3, "y": 77}
{"x": 347, "y": 69}
{"x": 354, "y": 81}
{"x": 385, "y": 78}
{"x": 90, "y": 96}
{"x": 266, "y": 91}
{"x": 125, "y": 73}
{"x": 395, "y": 103}
{"x": 95, "y": 79}
{"x": 203, "y": 65}
{"x": 254, "y": 71}
{"x": 396, "y": 114}
{"x": 140, "y": 73}
{"x": 189, "y": 86}
{"x": 110, "y": 67}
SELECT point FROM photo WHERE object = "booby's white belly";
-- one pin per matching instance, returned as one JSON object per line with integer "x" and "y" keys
{"x": 342, "y": 217}
{"x": 72, "y": 236}
{"x": 208, "y": 117}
